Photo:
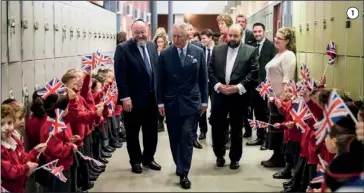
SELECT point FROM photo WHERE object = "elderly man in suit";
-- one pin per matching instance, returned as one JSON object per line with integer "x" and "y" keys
{"x": 233, "y": 72}
{"x": 182, "y": 96}
{"x": 135, "y": 62}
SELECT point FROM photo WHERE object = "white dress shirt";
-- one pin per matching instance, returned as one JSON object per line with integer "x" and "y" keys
{"x": 230, "y": 60}
{"x": 243, "y": 37}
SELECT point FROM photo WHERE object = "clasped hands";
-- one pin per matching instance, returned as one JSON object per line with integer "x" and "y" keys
{"x": 228, "y": 89}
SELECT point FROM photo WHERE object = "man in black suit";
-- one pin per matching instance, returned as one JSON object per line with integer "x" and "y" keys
{"x": 135, "y": 61}
{"x": 266, "y": 52}
{"x": 248, "y": 37}
{"x": 233, "y": 72}
{"x": 182, "y": 96}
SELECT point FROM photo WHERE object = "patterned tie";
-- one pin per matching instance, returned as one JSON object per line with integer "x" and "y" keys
{"x": 147, "y": 66}
{"x": 182, "y": 56}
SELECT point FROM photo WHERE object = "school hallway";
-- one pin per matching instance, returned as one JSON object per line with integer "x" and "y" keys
{"x": 204, "y": 175}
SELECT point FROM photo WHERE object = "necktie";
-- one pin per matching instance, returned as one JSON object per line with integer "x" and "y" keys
{"x": 258, "y": 47}
{"x": 147, "y": 66}
{"x": 182, "y": 56}
{"x": 208, "y": 55}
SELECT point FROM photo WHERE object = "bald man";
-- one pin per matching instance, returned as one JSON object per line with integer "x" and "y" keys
{"x": 135, "y": 62}
{"x": 233, "y": 72}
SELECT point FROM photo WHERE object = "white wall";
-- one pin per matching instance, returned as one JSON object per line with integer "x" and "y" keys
{"x": 192, "y": 7}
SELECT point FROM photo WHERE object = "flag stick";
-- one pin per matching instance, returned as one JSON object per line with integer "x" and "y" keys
{"x": 49, "y": 137}
{"x": 325, "y": 69}
{"x": 46, "y": 164}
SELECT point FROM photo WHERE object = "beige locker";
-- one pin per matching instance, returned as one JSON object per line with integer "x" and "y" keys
{"x": 310, "y": 62}
{"x": 4, "y": 81}
{"x": 355, "y": 30}
{"x": 58, "y": 68}
{"x": 310, "y": 25}
{"x": 40, "y": 72}
{"x": 65, "y": 30}
{"x": 4, "y": 33}
{"x": 27, "y": 31}
{"x": 38, "y": 29}
{"x": 14, "y": 31}
{"x": 90, "y": 33}
{"x": 66, "y": 65}
{"x": 339, "y": 76}
{"x": 337, "y": 25}
{"x": 73, "y": 21}
{"x": 297, "y": 24}
{"x": 318, "y": 66}
{"x": 49, "y": 69}
{"x": 303, "y": 24}
{"x": 75, "y": 62}
{"x": 353, "y": 73}
{"x": 28, "y": 77}
{"x": 49, "y": 29}
{"x": 80, "y": 31}
{"x": 318, "y": 27}
{"x": 58, "y": 30}
{"x": 15, "y": 78}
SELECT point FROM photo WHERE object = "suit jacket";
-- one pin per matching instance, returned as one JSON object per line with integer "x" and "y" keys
{"x": 267, "y": 53}
{"x": 245, "y": 69}
{"x": 249, "y": 37}
{"x": 182, "y": 89}
{"x": 198, "y": 44}
{"x": 131, "y": 74}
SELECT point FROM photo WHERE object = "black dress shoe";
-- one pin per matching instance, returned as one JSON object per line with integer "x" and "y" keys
{"x": 123, "y": 140}
{"x": 161, "y": 127}
{"x": 263, "y": 147}
{"x": 247, "y": 135}
{"x": 282, "y": 175}
{"x": 105, "y": 154}
{"x": 202, "y": 136}
{"x": 220, "y": 162}
{"x": 234, "y": 165}
{"x": 103, "y": 160}
{"x": 93, "y": 177}
{"x": 288, "y": 183}
{"x": 197, "y": 145}
{"x": 108, "y": 149}
{"x": 152, "y": 165}
{"x": 96, "y": 170}
{"x": 254, "y": 143}
{"x": 136, "y": 169}
{"x": 185, "y": 182}
{"x": 116, "y": 145}
{"x": 88, "y": 186}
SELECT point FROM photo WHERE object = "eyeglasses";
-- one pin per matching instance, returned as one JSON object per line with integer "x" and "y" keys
{"x": 140, "y": 32}
{"x": 279, "y": 38}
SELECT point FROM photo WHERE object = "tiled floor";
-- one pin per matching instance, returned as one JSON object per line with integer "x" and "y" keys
{"x": 204, "y": 175}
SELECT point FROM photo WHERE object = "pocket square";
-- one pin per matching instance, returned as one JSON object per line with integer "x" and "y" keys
{"x": 194, "y": 61}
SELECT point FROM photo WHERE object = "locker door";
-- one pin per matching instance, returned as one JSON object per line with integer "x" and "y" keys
{"x": 74, "y": 63}
{"x": 49, "y": 69}
{"x": 65, "y": 29}
{"x": 92, "y": 33}
{"x": 49, "y": 29}
{"x": 57, "y": 28}
{"x": 58, "y": 68}
{"x": 29, "y": 76}
{"x": 353, "y": 77}
{"x": 4, "y": 33}
{"x": 80, "y": 32}
{"x": 15, "y": 78}
{"x": 66, "y": 65}
{"x": 355, "y": 30}
{"x": 73, "y": 23}
{"x": 296, "y": 23}
{"x": 14, "y": 31}
{"x": 4, "y": 81}
{"x": 339, "y": 77}
{"x": 40, "y": 73}
{"x": 28, "y": 32}
{"x": 303, "y": 22}
{"x": 337, "y": 26}
{"x": 318, "y": 27}
{"x": 38, "y": 29}
{"x": 309, "y": 26}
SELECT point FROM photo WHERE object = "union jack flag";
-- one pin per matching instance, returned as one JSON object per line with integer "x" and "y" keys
{"x": 252, "y": 123}
{"x": 3, "y": 189}
{"x": 108, "y": 101}
{"x": 300, "y": 115}
{"x": 54, "y": 86}
{"x": 88, "y": 63}
{"x": 333, "y": 112}
{"x": 99, "y": 58}
{"x": 301, "y": 88}
{"x": 331, "y": 52}
{"x": 98, "y": 163}
{"x": 58, "y": 124}
{"x": 106, "y": 61}
{"x": 56, "y": 171}
{"x": 265, "y": 88}
{"x": 321, "y": 168}
{"x": 305, "y": 73}
{"x": 292, "y": 85}
{"x": 310, "y": 84}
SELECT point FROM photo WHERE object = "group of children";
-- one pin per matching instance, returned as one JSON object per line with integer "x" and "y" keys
{"x": 59, "y": 143}
{"x": 317, "y": 166}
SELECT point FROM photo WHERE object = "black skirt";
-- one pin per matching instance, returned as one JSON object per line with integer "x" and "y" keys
{"x": 292, "y": 151}
{"x": 274, "y": 136}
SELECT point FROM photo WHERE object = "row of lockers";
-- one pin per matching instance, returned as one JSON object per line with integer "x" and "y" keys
{"x": 34, "y": 30}
{"x": 24, "y": 77}
{"x": 318, "y": 22}
{"x": 346, "y": 74}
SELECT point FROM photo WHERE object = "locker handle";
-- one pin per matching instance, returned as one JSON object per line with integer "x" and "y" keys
{"x": 56, "y": 27}
{"x": 95, "y": 34}
{"x": 46, "y": 26}
{"x": 36, "y": 25}
{"x": 36, "y": 87}
{"x": 11, "y": 94}
{"x": 103, "y": 35}
{"x": 307, "y": 27}
{"x": 315, "y": 22}
{"x": 78, "y": 32}
{"x": 12, "y": 23}
{"x": 107, "y": 35}
{"x": 25, "y": 92}
{"x": 84, "y": 33}
{"x": 25, "y": 24}
{"x": 99, "y": 34}
{"x": 64, "y": 28}
{"x": 324, "y": 24}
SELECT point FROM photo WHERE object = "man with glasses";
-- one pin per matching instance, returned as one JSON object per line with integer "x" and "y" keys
{"x": 135, "y": 62}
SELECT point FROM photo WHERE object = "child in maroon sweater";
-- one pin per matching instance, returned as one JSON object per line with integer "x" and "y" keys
{"x": 16, "y": 164}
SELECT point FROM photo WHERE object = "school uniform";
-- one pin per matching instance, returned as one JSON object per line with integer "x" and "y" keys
{"x": 13, "y": 164}
{"x": 32, "y": 129}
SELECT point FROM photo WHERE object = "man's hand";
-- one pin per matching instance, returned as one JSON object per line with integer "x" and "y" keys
{"x": 289, "y": 125}
{"x": 127, "y": 105}
{"x": 203, "y": 110}
{"x": 222, "y": 89}
{"x": 360, "y": 131}
{"x": 161, "y": 111}
{"x": 232, "y": 89}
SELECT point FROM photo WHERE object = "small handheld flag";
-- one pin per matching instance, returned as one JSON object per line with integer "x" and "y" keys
{"x": 54, "y": 86}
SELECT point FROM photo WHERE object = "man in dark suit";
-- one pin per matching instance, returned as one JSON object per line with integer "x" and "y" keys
{"x": 266, "y": 52}
{"x": 248, "y": 37}
{"x": 182, "y": 96}
{"x": 233, "y": 72}
{"x": 135, "y": 62}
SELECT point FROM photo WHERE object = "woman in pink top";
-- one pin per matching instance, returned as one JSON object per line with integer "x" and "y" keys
{"x": 280, "y": 70}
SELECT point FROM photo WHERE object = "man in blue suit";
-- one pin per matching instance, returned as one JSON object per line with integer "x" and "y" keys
{"x": 182, "y": 96}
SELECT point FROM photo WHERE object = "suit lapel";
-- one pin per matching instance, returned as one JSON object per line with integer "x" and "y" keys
{"x": 151, "y": 55}
{"x": 139, "y": 57}
{"x": 223, "y": 56}
{"x": 188, "y": 53}
{"x": 175, "y": 57}
{"x": 240, "y": 52}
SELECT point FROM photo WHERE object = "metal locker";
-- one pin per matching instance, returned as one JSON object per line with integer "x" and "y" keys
{"x": 14, "y": 31}
{"x": 309, "y": 25}
{"x": 49, "y": 69}
{"x": 38, "y": 7}
{"x": 353, "y": 77}
{"x": 73, "y": 24}
{"x": 27, "y": 30}
{"x": 336, "y": 25}
{"x": 4, "y": 82}
{"x": 318, "y": 27}
{"x": 74, "y": 63}
{"x": 58, "y": 68}
{"x": 4, "y": 33}
{"x": 48, "y": 29}
{"x": 65, "y": 29}
{"x": 80, "y": 32}
{"x": 65, "y": 64}
{"x": 57, "y": 29}
{"x": 355, "y": 30}
{"x": 15, "y": 79}
{"x": 303, "y": 22}
{"x": 339, "y": 77}
{"x": 92, "y": 33}
{"x": 40, "y": 73}
{"x": 28, "y": 78}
